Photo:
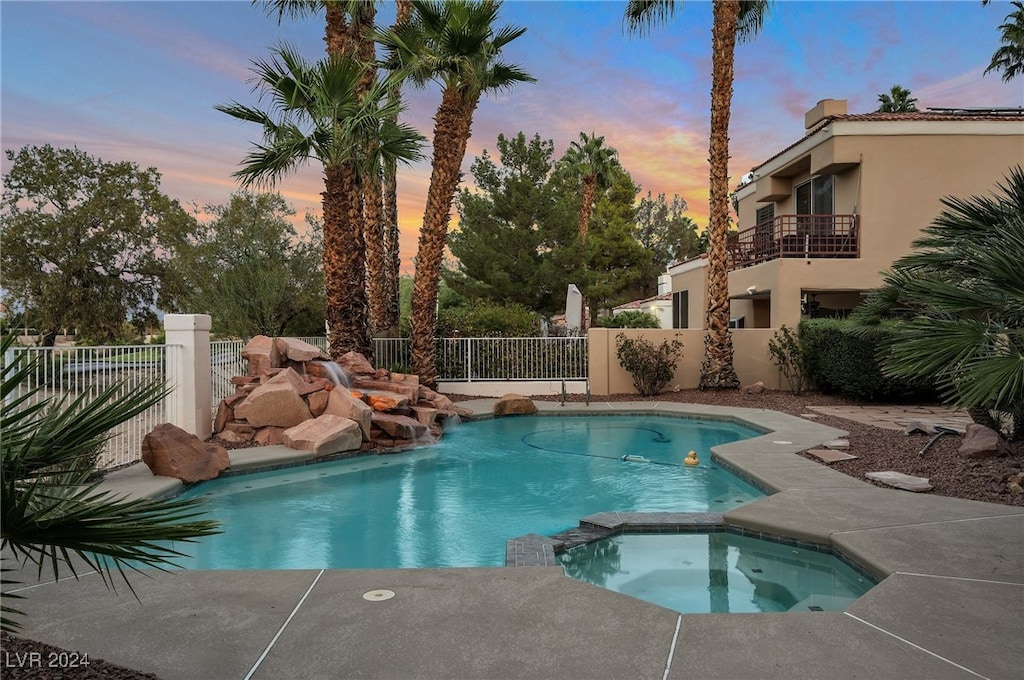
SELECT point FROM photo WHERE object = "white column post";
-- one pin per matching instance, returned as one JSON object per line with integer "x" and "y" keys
{"x": 189, "y": 376}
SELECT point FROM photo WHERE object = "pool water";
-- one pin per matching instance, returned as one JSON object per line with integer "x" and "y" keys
{"x": 717, "y": 573}
{"x": 456, "y": 504}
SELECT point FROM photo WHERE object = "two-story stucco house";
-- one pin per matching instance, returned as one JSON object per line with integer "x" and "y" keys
{"x": 821, "y": 219}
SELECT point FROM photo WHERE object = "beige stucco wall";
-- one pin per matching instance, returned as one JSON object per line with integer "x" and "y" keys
{"x": 750, "y": 359}
{"x": 695, "y": 281}
{"x": 896, "y": 187}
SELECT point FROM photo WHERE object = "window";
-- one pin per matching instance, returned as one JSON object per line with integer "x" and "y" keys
{"x": 765, "y": 214}
{"x": 815, "y": 197}
{"x": 681, "y": 309}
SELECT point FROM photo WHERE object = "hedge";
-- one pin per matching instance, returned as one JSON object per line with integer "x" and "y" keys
{"x": 838, "y": 361}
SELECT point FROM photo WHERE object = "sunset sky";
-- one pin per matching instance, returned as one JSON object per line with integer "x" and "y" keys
{"x": 139, "y": 81}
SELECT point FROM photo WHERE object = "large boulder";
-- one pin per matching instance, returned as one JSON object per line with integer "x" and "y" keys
{"x": 399, "y": 427}
{"x": 356, "y": 364}
{"x": 261, "y": 354}
{"x": 982, "y": 442}
{"x": 513, "y": 405}
{"x": 341, "y": 403}
{"x": 275, "y": 403}
{"x": 324, "y": 435}
{"x": 169, "y": 451}
{"x": 409, "y": 391}
{"x": 299, "y": 350}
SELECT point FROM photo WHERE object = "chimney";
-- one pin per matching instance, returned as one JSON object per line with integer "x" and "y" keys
{"x": 824, "y": 109}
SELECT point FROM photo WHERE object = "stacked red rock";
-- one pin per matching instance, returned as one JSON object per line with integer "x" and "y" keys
{"x": 293, "y": 395}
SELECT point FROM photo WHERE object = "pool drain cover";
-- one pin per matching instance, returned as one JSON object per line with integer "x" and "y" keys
{"x": 378, "y": 595}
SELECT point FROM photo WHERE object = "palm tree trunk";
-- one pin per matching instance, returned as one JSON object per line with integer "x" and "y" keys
{"x": 344, "y": 272}
{"x": 451, "y": 133}
{"x": 717, "y": 372}
{"x": 336, "y": 30}
{"x": 376, "y": 261}
{"x": 589, "y": 189}
{"x": 389, "y": 190}
{"x": 392, "y": 255}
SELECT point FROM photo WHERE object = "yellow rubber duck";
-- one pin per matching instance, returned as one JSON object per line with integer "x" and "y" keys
{"x": 691, "y": 458}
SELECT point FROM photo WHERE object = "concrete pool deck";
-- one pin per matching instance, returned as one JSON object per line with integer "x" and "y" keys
{"x": 951, "y": 604}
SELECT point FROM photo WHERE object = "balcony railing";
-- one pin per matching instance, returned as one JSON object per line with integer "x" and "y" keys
{"x": 795, "y": 236}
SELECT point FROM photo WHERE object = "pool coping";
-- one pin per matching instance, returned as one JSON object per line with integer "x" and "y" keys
{"x": 945, "y": 560}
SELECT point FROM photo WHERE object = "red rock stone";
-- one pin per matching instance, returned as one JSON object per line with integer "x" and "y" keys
{"x": 324, "y": 435}
{"x": 425, "y": 415}
{"x": 299, "y": 350}
{"x": 169, "y": 451}
{"x": 341, "y": 403}
{"x": 275, "y": 403}
{"x": 399, "y": 427}
{"x": 384, "y": 401}
{"x": 318, "y": 402}
{"x": 514, "y": 404}
{"x": 410, "y": 392}
{"x": 270, "y": 436}
{"x": 356, "y": 364}
{"x": 261, "y": 354}
{"x": 982, "y": 442}
{"x": 241, "y": 428}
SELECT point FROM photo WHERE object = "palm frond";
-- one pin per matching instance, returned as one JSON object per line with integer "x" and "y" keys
{"x": 49, "y": 508}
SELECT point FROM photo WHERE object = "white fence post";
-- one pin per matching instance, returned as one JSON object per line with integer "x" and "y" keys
{"x": 189, "y": 334}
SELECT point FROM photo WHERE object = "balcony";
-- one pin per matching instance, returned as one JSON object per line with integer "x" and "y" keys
{"x": 804, "y": 236}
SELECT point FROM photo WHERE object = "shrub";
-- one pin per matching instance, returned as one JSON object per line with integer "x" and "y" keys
{"x": 634, "y": 318}
{"x": 838, "y": 359}
{"x": 788, "y": 355}
{"x": 652, "y": 367}
{"x": 484, "y": 319}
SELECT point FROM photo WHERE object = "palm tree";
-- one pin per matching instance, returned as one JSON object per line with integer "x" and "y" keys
{"x": 349, "y": 32}
{"x": 50, "y": 502}
{"x": 1010, "y": 57}
{"x": 593, "y": 163}
{"x": 319, "y": 111}
{"x": 959, "y": 304}
{"x": 389, "y": 197}
{"x": 733, "y": 19}
{"x": 897, "y": 100}
{"x": 456, "y": 45}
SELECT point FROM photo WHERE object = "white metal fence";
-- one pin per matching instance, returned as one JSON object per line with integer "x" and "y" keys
{"x": 68, "y": 372}
{"x": 65, "y": 373}
{"x": 458, "y": 359}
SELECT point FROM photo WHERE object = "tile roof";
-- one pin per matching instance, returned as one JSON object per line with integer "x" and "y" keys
{"x": 1012, "y": 114}
{"x": 639, "y": 304}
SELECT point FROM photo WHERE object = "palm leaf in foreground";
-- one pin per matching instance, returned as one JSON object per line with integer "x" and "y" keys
{"x": 51, "y": 508}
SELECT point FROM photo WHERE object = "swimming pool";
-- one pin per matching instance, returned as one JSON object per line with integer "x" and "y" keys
{"x": 455, "y": 504}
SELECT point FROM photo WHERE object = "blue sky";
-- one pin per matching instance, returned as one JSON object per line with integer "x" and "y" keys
{"x": 139, "y": 81}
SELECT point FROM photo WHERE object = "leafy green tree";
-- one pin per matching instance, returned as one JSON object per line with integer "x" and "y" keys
{"x": 897, "y": 100}
{"x": 959, "y": 301}
{"x": 614, "y": 259}
{"x": 485, "y": 319}
{"x": 1009, "y": 58}
{"x": 734, "y": 20}
{"x": 320, "y": 112}
{"x": 510, "y": 228}
{"x": 250, "y": 270}
{"x": 666, "y": 234}
{"x": 50, "y": 505}
{"x": 456, "y": 45}
{"x": 84, "y": 242}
